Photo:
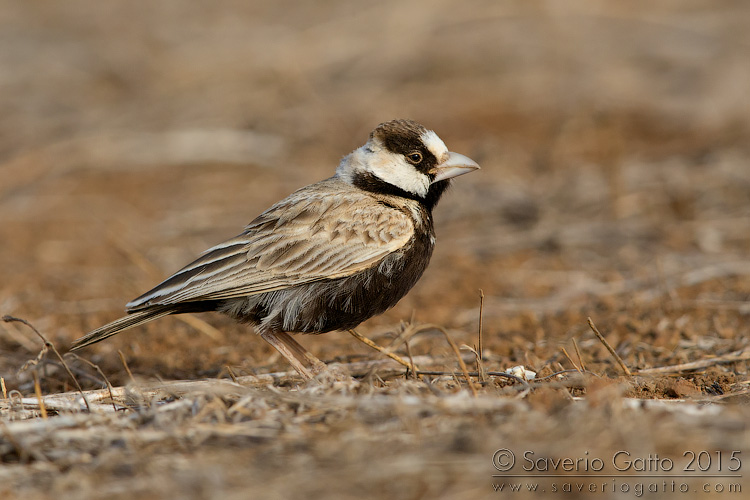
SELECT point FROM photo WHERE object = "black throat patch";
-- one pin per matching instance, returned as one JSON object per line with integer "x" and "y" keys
{"x": 366, "y": 181}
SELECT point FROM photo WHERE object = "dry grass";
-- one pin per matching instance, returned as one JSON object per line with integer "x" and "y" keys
{"x": 615, "y": 181}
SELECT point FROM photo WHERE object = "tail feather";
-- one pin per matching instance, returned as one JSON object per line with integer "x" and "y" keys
{"x": 129, "y": 321}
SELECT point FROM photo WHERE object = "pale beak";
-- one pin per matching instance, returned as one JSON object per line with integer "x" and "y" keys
{"x": 455, "y": 165}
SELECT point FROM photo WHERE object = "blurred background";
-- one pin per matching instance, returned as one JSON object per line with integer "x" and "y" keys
{"x": 613, "y": 139}
{"x": 615, "y": 184}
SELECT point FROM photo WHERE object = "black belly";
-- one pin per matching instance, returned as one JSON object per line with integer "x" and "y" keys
{"x": 337, "y": 304}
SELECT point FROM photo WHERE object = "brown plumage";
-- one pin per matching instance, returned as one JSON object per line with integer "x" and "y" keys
{"x": 327, "y": 257}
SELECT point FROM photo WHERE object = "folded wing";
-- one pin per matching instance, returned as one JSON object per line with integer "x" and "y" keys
{"x": 290, "y": 244}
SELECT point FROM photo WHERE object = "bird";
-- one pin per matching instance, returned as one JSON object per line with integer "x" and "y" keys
{"x": 328, "y": 257}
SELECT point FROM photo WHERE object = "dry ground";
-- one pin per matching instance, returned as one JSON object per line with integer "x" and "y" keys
{"x": 615, "y": 185}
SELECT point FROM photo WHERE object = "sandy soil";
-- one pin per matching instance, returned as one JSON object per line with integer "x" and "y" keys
{"x": 615, "y": 185}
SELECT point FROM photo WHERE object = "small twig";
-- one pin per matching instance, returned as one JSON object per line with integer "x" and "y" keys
{"x": 482, "y": 376}
{"x": 101, "y": 374}
{"x": 50, "y": 345}
{"x": 481, "y": 312}
{"x": 15, "y": 399}
{"x": 411, "y": 359}
{"x": 460, "y": 361}
{"x": 38, "y": 392}
{"x": 414, "y": 330}
{"x": 35, "y": 362}
{"x": 125, "y": 364}
{"x": 231, "y": 374}
{"x": 569, "y": 359}
{"x": 408, "y": 330}
{"x": 578, "y": 353}
{"x": 5, "y": 391}
{"x": 480, "y": 347}
{"x": 732, "y": 357}
{"x": 609, "y": 348}
{"x": 382, "y": 350}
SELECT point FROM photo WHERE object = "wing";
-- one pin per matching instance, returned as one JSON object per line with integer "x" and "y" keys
{"x": 319, "y": 232}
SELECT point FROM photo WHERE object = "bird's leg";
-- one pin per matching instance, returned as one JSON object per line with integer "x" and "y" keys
{"x": 286, "y": 351}
{"x": 316, "y": 364}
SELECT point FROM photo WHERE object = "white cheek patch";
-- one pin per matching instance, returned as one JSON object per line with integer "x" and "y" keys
{"x": 436, "y": 145}
{"x": 395, "y": 170}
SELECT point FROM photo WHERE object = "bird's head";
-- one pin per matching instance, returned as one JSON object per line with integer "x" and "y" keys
{"x": 403, "y": 158}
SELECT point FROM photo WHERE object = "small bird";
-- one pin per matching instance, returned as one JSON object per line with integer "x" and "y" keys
{"x": 327, "y": 257}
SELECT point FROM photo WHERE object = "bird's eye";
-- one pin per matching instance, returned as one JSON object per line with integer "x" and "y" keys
{"x": 415, "y": 157}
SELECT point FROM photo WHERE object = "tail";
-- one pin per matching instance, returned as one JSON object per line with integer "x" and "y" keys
{"x": 129, "y": 321}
